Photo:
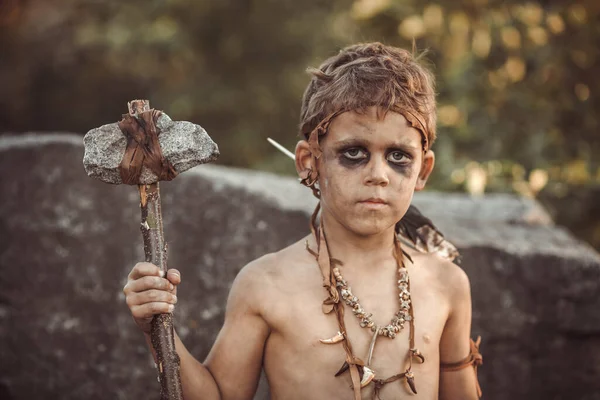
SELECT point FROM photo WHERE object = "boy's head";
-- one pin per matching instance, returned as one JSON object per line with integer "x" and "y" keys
{"x": 368, "y": 117}
{"x": 371, "y": 74}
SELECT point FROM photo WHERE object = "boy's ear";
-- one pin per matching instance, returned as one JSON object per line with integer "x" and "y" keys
{"x": 426, "y": 168}
{"x": 304, "y": 159}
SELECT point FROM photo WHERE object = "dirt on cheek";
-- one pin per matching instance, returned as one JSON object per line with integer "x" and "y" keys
{"x": 336, "y": 191}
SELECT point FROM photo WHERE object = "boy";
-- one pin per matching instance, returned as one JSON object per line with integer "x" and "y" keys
{"x": 368, "y": 121}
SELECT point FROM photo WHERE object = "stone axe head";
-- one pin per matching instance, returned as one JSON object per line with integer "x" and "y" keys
{"x": 141, "y": 135}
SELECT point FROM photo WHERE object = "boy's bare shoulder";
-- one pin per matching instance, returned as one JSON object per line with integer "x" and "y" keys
{"x": 270, "y": 270}
{"x": 451, "y": 278}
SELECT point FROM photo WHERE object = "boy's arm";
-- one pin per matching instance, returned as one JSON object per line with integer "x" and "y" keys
{"x": 460, "y": 384}
{"x": 232, "y": 369}
{"x": 235, "y": 360}
{"x": 196, "y": 380}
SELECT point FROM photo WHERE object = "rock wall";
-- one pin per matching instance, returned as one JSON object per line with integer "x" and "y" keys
{"x": 67, "y": 243}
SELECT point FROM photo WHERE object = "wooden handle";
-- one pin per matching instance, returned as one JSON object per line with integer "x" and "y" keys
{"x": 155, "y": 250}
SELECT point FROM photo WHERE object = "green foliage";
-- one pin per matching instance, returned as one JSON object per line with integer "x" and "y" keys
{"x": 518, "y": 81}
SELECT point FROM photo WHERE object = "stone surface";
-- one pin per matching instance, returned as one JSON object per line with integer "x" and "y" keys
{"x": 184, "y": 145}
{"x": 67, "y": 243}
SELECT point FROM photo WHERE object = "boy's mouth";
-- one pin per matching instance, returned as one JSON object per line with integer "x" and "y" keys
{"x": 374, "y": 202}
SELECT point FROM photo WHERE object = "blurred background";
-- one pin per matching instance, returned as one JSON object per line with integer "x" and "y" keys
{"x": 518, "y": 82}
{"x": 518, "y": 106}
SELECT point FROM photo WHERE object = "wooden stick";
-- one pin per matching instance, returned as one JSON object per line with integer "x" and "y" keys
{"x": 155, "y": 249}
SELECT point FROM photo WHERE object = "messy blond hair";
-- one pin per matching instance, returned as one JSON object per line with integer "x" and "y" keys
{"x": 371, "y": 74}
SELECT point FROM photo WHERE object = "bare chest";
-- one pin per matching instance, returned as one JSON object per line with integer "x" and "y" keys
{"x": 297, "y": 361}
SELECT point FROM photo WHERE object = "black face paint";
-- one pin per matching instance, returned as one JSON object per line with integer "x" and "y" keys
{"x": 400, "y": 161}
{"x": 353, "y": 156}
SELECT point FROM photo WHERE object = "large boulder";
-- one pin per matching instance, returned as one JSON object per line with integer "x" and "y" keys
{"x": 67, "y": 243}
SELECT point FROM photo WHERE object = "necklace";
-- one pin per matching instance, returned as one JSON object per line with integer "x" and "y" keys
{"x": 366, "y": 319}
{"x": 361, "y": 372}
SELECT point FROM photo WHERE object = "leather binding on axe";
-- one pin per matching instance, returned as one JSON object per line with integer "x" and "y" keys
{"x": 143, "y": 148}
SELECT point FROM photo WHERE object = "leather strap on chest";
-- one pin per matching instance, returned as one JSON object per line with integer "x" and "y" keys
{"x": 333, "y": 301}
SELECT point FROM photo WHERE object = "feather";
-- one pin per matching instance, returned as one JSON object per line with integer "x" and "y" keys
{"x": 420, "y": 231}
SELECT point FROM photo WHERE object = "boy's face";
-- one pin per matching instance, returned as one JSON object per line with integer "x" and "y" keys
{"x": 369, "y": 170}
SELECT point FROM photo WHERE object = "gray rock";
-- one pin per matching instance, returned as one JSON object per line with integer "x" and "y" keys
{"x": 184, "y": 145}
{"x": 67, "y": 243}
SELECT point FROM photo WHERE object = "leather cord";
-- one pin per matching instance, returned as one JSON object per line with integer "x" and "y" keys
{"x": 474, "y": 359}
{"x": 143, "y": 148}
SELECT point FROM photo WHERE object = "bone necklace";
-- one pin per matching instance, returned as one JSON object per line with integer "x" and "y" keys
{"x": 366, "y": 319}
{"x": 337, "y": 286}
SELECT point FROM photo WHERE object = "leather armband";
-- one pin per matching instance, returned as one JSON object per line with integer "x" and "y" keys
{"x": 474, "y": 359}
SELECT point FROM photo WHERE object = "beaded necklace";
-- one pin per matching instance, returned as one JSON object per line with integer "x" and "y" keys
{"x": 366, "y": 319}
{"x": 360, "y": 371}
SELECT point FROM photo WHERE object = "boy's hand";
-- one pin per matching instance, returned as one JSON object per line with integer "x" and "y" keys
{"x": 147, "y": 293}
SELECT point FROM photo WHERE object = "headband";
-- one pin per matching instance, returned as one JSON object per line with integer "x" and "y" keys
{"x": 322, "y": 128}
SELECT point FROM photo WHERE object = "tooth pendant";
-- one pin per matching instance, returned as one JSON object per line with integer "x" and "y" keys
{"x": 344, "y": 368}
{"x": 333, "y": 340}
{"x": 410, "y": 379}
{"x": 368, "y": 376}
{"x": 417, "y": 354}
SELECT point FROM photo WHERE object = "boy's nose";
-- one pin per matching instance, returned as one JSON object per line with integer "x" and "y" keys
{"x": 377, "y": 173}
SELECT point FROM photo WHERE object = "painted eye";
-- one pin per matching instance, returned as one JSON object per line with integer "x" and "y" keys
{"x": 355, "y": 154}
{"x": 397, "y": 157}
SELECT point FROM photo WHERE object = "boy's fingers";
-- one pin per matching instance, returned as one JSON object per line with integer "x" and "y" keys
{"x": 143, "y": 269}
{"x": 147, "y": 283}
{"x": 150, "y": 296}
{"x": 174, "y": 276}
{"x": 150, "y": 309}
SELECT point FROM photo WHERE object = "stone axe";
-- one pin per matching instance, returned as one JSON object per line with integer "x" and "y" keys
{"x": 145, "y": 147}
